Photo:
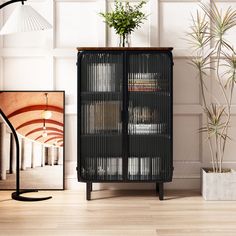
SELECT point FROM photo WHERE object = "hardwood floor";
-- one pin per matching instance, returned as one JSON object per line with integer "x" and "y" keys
{"x": 123, "y": 213}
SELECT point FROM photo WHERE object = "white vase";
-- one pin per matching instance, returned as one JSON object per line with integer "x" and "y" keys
{"x": 218, "y": 186}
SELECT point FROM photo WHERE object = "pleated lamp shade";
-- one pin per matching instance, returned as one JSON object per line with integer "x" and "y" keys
{"x": 24, "y": 19}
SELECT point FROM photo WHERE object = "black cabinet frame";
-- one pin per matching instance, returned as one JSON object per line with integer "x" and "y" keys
{"x": 126, "y": 53}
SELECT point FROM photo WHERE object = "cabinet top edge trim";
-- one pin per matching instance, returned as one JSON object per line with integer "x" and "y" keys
{"x": 124, "y": 48}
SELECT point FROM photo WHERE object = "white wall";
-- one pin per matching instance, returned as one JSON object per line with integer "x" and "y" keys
{"x": 48, "y": 61}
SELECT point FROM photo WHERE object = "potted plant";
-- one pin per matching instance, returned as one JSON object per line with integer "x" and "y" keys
{"x": 213, "y": 52}
{"x": 125, "y": 19}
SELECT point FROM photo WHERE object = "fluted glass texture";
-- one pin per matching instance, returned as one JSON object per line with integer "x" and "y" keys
{"x": 150, "y": 121}
{"x": 101, "y": 124}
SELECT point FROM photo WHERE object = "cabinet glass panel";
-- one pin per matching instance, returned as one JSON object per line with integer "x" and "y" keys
{"x": 101, "y": 124}
{"x": 149, "y": 122}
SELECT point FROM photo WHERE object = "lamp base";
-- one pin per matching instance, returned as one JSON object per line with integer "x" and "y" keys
{"x": 17, "y": 196}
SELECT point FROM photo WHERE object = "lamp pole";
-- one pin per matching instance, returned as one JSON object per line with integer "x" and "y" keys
{"x": 10, "y": 2}
{"x": 17, "y": 194}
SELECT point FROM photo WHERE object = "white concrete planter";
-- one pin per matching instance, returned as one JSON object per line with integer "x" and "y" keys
{"x": 219, "y": 186}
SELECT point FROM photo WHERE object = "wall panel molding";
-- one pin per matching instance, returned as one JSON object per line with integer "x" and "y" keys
{"x": 70, "y": 20}
{"x": 102, "y": 29}
{"x": 60, "y": 51}
{"x": 187, "y": 109}
{"x": 71, "y": 110}
{"x": 154, "y": 23}
{"x": 51, "y": 72}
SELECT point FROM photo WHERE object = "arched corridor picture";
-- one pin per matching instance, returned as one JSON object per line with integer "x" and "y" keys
{"x": 38, "y": 119}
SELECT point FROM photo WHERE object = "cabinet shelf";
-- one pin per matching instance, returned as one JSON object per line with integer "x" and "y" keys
{"x": 150, "y": 93}
{"x": 150, "y": 135}
{"x": 146, "y": 128}
{"x": 101, "y": 134}
{"x": 104, "y": 96}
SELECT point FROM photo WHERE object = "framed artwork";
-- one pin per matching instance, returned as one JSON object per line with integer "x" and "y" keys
{"x": 38, "y": 118}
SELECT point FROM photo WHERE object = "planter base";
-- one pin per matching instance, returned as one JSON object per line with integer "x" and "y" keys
{"x": 219, "y": 186}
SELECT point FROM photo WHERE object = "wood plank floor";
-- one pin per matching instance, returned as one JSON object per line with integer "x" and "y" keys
{"x": 123, "y": 213}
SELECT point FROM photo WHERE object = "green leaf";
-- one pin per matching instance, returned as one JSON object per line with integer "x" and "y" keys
{"x": 125, "y": 18}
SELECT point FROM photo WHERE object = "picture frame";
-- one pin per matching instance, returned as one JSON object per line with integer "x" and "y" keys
{"x": 38, "y": 118}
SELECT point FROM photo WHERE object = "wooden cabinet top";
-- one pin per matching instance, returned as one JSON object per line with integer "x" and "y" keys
{"x": 124, "y": 49}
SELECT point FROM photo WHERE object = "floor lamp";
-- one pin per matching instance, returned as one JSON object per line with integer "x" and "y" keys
{"x": 23, "y": 19}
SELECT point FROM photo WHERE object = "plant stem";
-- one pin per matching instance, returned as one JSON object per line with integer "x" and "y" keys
{"x": 205, "y": 106}
{"x": 225, "y": 129}
{"x": 228, "y": 118}
{"x": 217, "y": 151}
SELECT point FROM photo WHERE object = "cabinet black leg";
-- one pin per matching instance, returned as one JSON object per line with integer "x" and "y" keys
{"x": 157, "y": 188}
{"x": 88, "y": 190}
{"x": 161, "y": 191}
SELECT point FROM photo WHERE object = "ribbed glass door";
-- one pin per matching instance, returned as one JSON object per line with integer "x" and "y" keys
{"x": 150, "y": 116}
{"x": 101, "y": 80}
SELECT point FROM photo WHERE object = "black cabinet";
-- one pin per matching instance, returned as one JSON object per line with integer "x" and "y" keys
{"x": 125, "y": 115}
